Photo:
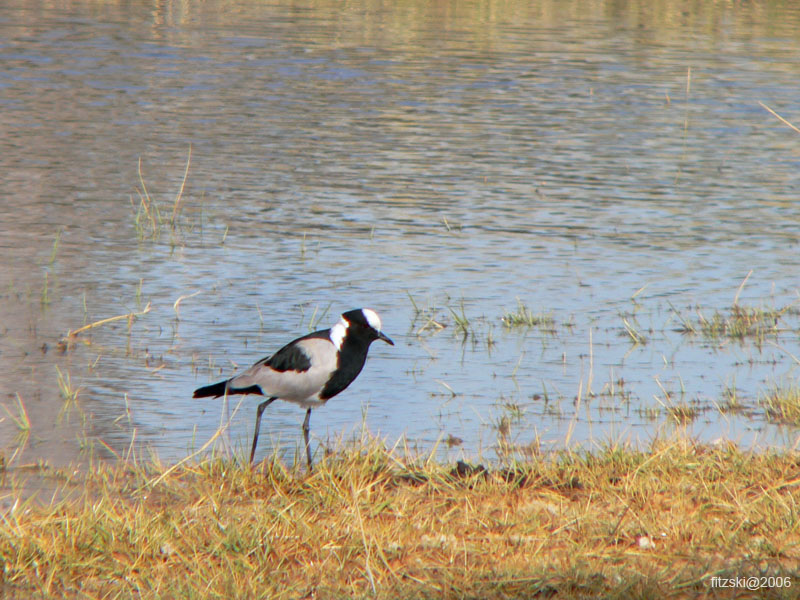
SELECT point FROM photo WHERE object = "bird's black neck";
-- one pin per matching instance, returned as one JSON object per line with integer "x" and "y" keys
{"x": 352, "y": 356}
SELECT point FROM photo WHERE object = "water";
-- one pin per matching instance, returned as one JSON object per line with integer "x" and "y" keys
{"x": 604, "y": 165}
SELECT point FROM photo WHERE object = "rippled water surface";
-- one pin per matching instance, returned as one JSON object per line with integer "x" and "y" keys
{"x": 615, "y": 168}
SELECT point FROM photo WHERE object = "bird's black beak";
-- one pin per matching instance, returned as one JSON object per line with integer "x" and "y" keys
{"x": 385, "y": 339}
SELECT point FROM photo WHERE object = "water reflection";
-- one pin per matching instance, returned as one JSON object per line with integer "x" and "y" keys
{"x": 609, "y": 165}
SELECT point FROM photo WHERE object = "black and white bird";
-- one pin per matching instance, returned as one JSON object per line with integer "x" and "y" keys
{"x": 308, "y": 371}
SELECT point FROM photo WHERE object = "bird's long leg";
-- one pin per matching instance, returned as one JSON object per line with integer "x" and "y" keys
{"x": 260, "y": 410}
{"x": 305, "y": 435}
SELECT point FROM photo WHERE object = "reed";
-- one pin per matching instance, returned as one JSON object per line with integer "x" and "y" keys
{"x": 150, "y": 219}
{"x": 782, "y": 403}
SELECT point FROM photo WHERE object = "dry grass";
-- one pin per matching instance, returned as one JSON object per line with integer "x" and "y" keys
{"x": 616, "y": 523}
{"x": 739, "y": 323}
{"x": 782, "y": 404}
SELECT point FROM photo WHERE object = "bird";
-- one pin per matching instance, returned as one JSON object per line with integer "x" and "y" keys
{"x": 307, "y": 371}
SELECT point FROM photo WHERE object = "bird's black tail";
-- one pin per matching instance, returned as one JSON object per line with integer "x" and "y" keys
{"x": 216, "y": 390}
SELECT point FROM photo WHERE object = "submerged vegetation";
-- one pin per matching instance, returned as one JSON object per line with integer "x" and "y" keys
{"x": 435, "y": 317}
{"x": 737, "y": 323}
{"x": 782, "y": 404}
{"x": 524, "y": 317}
{"x": 616, "y": 523}
{"x": 150, "y": 218}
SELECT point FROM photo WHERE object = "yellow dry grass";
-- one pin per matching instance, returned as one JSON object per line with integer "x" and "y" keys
{"x": 615, "y": 523}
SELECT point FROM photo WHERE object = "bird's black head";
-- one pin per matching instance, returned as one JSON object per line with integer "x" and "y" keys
{"x": 365, "y": 322}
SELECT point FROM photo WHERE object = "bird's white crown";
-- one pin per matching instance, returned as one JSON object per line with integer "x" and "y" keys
{"x": 372, "y": 318}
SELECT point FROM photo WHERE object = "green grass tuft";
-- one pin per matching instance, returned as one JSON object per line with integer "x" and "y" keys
{"x": 737, "y": 323}
{"x": 782, "y": 404}
{"x": 524, "y": 317}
